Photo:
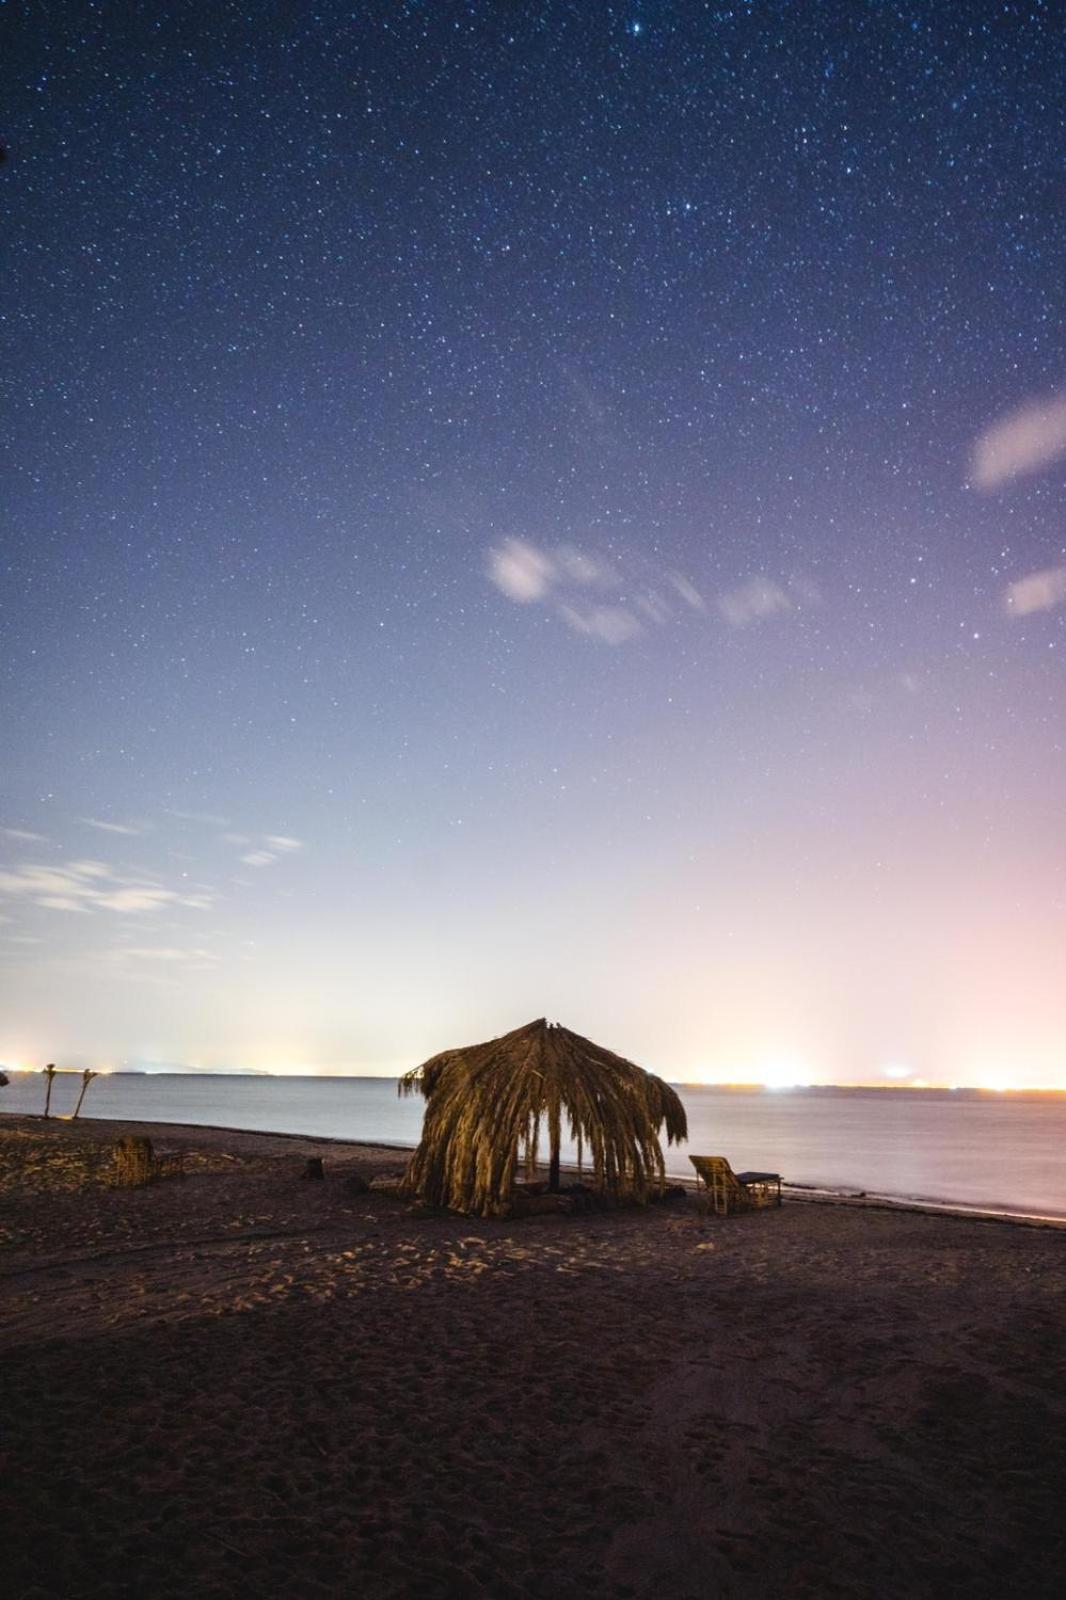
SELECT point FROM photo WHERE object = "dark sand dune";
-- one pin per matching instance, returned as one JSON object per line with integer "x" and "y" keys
{"x": 243, "y": 1384}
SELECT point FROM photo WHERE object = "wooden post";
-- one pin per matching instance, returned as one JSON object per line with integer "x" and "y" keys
{"x": 553, "y": 1161}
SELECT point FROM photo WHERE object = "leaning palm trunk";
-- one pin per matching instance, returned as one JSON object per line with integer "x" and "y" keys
{"x": 484, "y": 1107}
{"x": 86, "y": 1078}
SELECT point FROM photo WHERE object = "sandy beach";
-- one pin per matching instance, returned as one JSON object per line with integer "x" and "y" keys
{"x": 242, "y": 1383}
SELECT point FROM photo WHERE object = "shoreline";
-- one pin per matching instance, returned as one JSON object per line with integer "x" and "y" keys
{"x": 237, "y": 1382}
{"x": 802, "y": 1193}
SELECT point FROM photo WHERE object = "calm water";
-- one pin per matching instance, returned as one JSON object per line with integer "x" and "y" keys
{"x": 1001, "y": 1151}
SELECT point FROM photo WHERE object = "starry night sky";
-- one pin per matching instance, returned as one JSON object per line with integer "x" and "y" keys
{"x": 519, "y": 509}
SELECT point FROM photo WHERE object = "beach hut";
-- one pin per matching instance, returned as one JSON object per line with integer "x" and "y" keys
{"x": 489, "y": 1105}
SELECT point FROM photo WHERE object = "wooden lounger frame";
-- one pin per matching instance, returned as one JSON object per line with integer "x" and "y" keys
{"x": 728, "y": 1191}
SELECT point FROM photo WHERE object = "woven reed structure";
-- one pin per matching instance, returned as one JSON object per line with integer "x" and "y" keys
{"x": 485, "y": 1105}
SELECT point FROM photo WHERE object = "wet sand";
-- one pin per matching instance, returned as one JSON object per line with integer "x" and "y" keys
{"x": 242, "y": 1383}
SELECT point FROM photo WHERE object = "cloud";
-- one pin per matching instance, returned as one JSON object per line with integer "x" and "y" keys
{"x": 612, "y": 624}
{"x": 147, "y": 897}
{"x": 161, "y": 952}
{"x": 23, "y": 836}
{"x": 561, "y": 579}
{"x": 91, "y": 886}
{"x": 208, "y": 818}
{"x": 581, "y": 568}
{"x": 127, "y": 829}
{"x": 654, "y": 608}
{"x": 1029, "y": 439}
{"x": 267, "y": 848}
{"x": 688, "y": 592}
{"x": 1040, "y": 591}
{"x": 753, "y": 602}
{"x": 524, "y": 572}
{"x": 521, "y": 571}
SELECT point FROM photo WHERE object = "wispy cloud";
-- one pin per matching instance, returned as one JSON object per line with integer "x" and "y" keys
{"x": 653, "y": 608}
{"x": 566, "y": 579}
{"x": 524, "y": 572}
{"x": 86, "y": 886}
{"x": 266, "y": 848}
{"x": 521, "y": 571}
{"x": 168, "y": 954}
{"x": 131, "y": 830}
{"x": 688, "y": 592}
{"x": 753, "y": 602}
{"x": 208, "y": 818}
{"x": 23, "y": 836}
{"x": 90, "y": 869}
{"x": 612, "y": 624}
{"x": 1039, "y": 591}
{"x": 1024, "y": 442}
{"x": 577, "y": 566}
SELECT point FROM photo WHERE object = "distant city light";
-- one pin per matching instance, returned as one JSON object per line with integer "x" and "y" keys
{"x": 786, "y": 1074}
{"x": 998, "y": 1082}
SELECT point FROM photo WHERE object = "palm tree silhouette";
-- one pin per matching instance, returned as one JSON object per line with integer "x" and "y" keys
{"x": 86, "y": 1078}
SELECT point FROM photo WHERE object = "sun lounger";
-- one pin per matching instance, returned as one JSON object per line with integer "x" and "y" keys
{"x": 728, "y": 1191}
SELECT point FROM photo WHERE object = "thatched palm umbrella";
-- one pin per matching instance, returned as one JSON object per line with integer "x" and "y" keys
{"x": 49, "y": 1072}
{"x": 484, "y": 1106}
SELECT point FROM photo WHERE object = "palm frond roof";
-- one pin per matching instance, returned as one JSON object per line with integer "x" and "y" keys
{"x": 485, "y": 1103}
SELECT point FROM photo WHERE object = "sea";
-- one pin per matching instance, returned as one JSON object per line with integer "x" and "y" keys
{"x": 956, "y": 1147}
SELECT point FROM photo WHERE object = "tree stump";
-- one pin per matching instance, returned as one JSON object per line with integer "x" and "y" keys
{"x": 314, "y": 1168}
{"x": 134, "y": 1163}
